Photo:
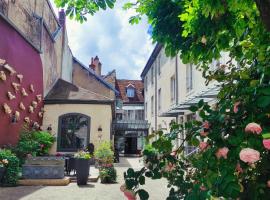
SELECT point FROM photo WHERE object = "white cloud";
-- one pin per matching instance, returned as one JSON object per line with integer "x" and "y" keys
{"x": 118, "y": 44}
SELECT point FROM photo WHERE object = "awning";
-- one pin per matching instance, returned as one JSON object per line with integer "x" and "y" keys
{"x": 130, "y": 125}
{"x": 209, "y": 94}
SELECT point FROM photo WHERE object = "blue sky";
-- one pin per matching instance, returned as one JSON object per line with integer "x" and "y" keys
{"x": 118, "y": 44}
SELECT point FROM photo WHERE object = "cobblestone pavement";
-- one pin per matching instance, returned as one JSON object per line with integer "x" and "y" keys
{"x": 92, "y": 191}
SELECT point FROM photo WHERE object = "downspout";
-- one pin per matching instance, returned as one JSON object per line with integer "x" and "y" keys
{"x": 156, "y": 111}
{"x": 176, "y": 83}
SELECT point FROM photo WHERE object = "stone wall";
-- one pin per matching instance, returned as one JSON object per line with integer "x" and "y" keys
{"x": 37, "y": 22}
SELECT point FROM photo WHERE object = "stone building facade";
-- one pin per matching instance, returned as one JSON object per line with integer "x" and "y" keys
{"x": 34, "y": 42}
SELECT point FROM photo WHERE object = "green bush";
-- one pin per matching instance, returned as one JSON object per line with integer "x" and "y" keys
{"x": 36, "y": 143}
{"x": 108, "y": 174}
{"x": 12, "y": 168}
{"x": 104, "y": 153}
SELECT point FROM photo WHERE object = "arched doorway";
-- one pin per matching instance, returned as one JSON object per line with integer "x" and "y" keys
{"x": 73, "y": 132}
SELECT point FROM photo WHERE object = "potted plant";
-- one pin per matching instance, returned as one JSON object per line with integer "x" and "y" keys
{"x": 82, "y": 167}
{"x": 129, "y": 194}
{"x": 107, "y": 174}
{"x": 3, "y": 163}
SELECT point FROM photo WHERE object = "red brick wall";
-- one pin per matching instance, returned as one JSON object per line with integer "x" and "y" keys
{"x": 26, "y": 61}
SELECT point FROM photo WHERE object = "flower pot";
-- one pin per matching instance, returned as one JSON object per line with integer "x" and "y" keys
{"x": 82, "y": 171}
{"x": 130, "y": 195}
{"x": 105, "y": 180}
{"x": 2, "y": 172}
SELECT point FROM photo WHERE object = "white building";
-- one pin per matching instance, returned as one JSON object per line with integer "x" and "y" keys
{"x": 171, "y": 87}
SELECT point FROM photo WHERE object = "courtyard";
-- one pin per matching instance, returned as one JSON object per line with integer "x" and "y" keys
{"x": 93, "y": 191}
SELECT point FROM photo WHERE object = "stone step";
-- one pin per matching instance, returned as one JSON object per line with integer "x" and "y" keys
{"x": 44, "y": 182}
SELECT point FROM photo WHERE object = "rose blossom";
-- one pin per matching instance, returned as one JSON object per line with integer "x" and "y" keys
{"x": 249, "y": 155}
{"x": 206, "y": 125}
{"x": 268, "y": 183}
{"x": 203, "y": 145}
{"x": 266, "y": 143}
{"x": 222, "y": 152}
{"x": 235, "y": 107}
{"x": 203, "y": 188}
{"x": 239, "y": 168}
{"x": 253, "y": 128}
{"x": 170, "y": 167}
{"x": 203, "y": 133}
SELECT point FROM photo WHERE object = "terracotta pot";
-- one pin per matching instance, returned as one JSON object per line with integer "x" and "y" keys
{"x": 130, "y": 195}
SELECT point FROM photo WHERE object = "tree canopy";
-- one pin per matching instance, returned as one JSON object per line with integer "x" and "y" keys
{"x": 233, "y": 136}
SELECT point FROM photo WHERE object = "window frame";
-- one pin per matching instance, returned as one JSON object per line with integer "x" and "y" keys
{"x": 59, "y": 148}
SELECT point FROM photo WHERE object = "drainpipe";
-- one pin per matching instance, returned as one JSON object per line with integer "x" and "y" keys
{"x": 156, "y": 111}
{"x": 176, "y": 80}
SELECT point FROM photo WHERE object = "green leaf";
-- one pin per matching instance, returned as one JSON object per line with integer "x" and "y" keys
{"x": 130, "y": 172}
{"x": 193, "y": 108}
{"x": 143, "y": 194}
{"x": 263, "y": 101}
{"x": 142, "y": 180}
{"x": 266, "y": 136}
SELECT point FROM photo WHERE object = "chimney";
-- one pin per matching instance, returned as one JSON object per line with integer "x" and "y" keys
{"x": 62, "y": 17}
{"x": 96, "y": 65}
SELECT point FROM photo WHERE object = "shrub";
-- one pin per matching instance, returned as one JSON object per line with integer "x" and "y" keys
{"x": 12, "y": 167}
{"x": 82, "y": 155}
{"x": 36, "y": 143}
{"x": 104, "y": 153}
{"x": 107, "y": 174}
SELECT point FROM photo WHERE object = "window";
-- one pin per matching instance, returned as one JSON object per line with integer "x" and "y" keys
{"x": 159, "y": 99}
{"x": 158, "y": 65}
{"x": 119, "y": 116}
{"x": 73, "y": 133}
{"x": 152, "y": 105}
{"x": 130, "y": 92}
{"x": 145, "y": 83}
{"x": 189, "y": 78}
{"x": 139, "y": 114}
{"x": 152, "y": 74}
{"x": 145, "y": 110}
{"x": 173, "y": 89}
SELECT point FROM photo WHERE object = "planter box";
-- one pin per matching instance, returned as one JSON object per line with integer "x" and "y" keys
{"x": 43, "y": 168}
{"x": 82, "y": 171}
{"x": 2, "y": 172}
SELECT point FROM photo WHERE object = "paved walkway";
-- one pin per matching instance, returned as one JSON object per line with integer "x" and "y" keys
{"x": 92, "y": 191}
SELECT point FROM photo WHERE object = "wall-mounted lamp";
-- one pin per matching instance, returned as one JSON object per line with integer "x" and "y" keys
{"x": 99, "y": 129}
{"x": 49, "y": 129}
{"x": 99, "y": 133}
{"x": 14, "y": 119}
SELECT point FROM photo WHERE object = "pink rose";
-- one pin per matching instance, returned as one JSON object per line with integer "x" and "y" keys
{"x": 170, "y": 167}
{"x": 253, "y": 128}
{"x": 203, "y": 188}
{"x": 206, "y": 125}
{"x": 268, "y": 183}
{"x": 266, "y": 143}
{"x": 235, "y": 107}
{"x": 173, "y": 153}
{"x": 249, "y": 155}
{"x": 222, "y": 152}
{"x": 203, "y": 145}
{"x": 239, "y": 168}
{"x": 203, "y": 134}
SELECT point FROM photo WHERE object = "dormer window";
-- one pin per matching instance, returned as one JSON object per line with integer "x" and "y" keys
{"x": 130, "y": 89}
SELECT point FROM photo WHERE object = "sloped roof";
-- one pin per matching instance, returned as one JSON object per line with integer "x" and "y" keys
{"x": 65, "y": 91}
{"x": 99, "y": 78}
{"x": 121, "y": 85}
